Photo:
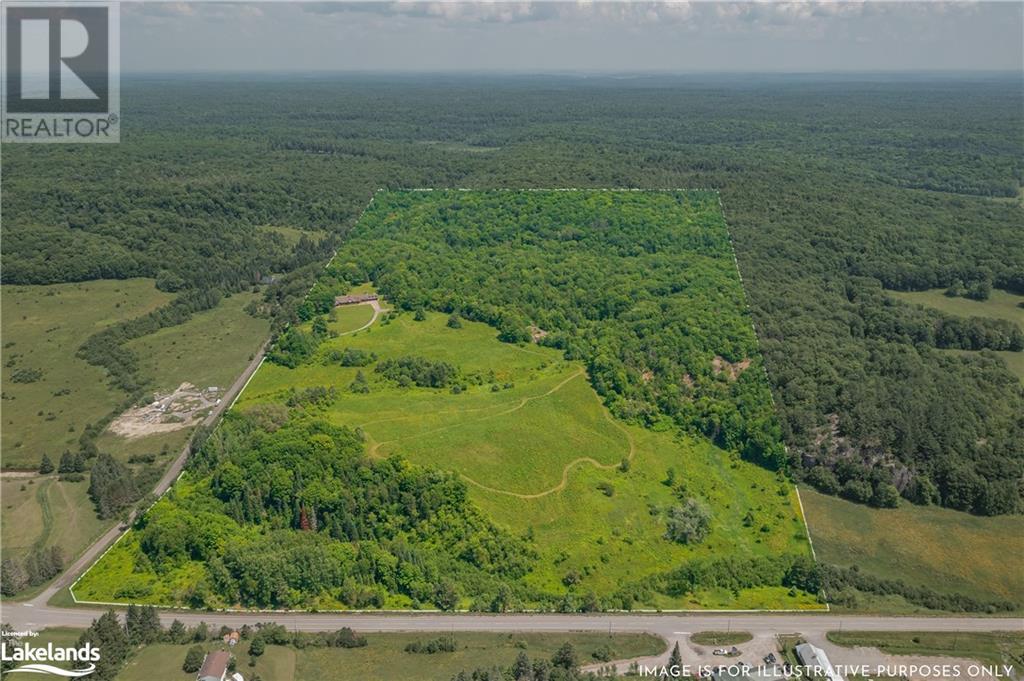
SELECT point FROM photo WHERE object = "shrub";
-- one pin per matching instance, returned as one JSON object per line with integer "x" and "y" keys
{"x": 689, "y": 523}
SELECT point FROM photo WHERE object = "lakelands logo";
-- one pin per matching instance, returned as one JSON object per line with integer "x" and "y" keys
{"x": 61, "y": 72}
{"x": 33, "y": 659}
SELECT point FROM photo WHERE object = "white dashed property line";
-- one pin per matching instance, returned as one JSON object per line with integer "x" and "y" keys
{"x": 767, "y": 379}
{"x": 503, "y": 189}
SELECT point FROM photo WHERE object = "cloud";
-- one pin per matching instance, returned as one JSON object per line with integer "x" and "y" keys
{"x": 448, "y": 12}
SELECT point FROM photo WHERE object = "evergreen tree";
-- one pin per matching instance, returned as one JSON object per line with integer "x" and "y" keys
{"x": 111, "y": 486}
{"x": 565, "y": 657}
{"x": 193, "y": 659}
{"x": 107, "y": 634}
{"x": 67, "y": 463}
{"x": 13, "y": 577}
{"x": 521, "y": 668}
{"x": 675, "y": 659}
{"x": 45, "y": 465}
{"x": 176, "y": 633}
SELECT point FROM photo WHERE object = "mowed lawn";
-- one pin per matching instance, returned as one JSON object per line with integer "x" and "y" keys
{"x": 542, "y": 455}
{"x": 384, "y": 657}
{"x": 43, "y": 329}
{"x": 945, "y": 550}
{"x": 1000, "y": 305}
{"x": 348, "y": 318}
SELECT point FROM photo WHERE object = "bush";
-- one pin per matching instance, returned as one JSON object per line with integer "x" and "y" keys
{"x": 444, "y": 644}
{"x": 346, "y": 638}
{"x": 858, "y": 490}
{"x": 689, "y": 523}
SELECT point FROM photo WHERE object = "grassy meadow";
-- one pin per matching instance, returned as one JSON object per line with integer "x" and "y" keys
{"x": 44, "y": 511}
{"x": 939, "y": 548}
{"x": 43, "y": 329}
{"x": 1000, "y": 305}
{"x": 384, "y": 656}
{"x": 995, "y": 648}
{"x": 541, "y": 454}
{"x": 210, "y": 349}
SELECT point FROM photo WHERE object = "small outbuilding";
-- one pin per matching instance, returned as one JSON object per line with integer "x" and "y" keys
{"x": 354, "y": 299}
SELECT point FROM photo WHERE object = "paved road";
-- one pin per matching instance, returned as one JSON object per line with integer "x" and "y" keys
{"x": 110, "y": 536}
{"x": 22, "y": 615}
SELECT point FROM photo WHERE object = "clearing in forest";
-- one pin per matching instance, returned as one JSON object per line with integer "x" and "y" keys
{"x": 643, "y": 399}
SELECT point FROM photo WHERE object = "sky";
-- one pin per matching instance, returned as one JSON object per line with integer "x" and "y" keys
{"x": 556, "y": 37}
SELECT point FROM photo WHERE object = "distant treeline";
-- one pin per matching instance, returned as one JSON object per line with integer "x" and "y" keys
{"x": 824, "y": 184}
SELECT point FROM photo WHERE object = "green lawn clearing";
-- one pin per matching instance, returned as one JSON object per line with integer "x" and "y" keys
{"x": 1000, "y": 305}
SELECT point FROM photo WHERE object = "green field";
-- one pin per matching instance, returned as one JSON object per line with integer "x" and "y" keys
{"x": 350, "y": 318}
{"x": 384, "y": 657}
{"x": 210, "y": 349}
{"x": 1000, "y": 305}
{"x": 535, "y": 454}
{"x": 43, "y": 328}
{"x": 997, "y": 648}
{"x": 942, "y": 549}
{"x": 43, "y": 511}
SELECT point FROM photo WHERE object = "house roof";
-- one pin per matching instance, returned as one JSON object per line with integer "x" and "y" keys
{"x": 815, "y": 657}
{"x": 214, "y": 666}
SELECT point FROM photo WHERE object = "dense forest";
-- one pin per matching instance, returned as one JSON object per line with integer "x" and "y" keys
{"x": 834, "y": 190}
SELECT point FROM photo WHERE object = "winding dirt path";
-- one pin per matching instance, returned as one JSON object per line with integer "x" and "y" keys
{"x": 565, "y": 471}
{"x": 377, "y": 312}
{"x": 522, "y": 403}
{"x": 374, "y": 446}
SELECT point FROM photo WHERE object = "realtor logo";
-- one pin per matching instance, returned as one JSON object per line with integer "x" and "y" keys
{"x": 61, "y": 77}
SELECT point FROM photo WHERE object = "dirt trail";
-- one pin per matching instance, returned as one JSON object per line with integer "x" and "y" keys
{"x": 522, "y": 403}
{"x": 565, "y": 471}
{"x": 377, "y": 312}
{"x": 375, "y": 446}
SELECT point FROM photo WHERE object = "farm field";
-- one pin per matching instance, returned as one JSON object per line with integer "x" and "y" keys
{"x": 556, "y": 455}
{"x": 1000, "y": 305}
{"x": 939, "y": 548}
{"x": 43, "y": 328}
{"x": 384, "y": 656}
